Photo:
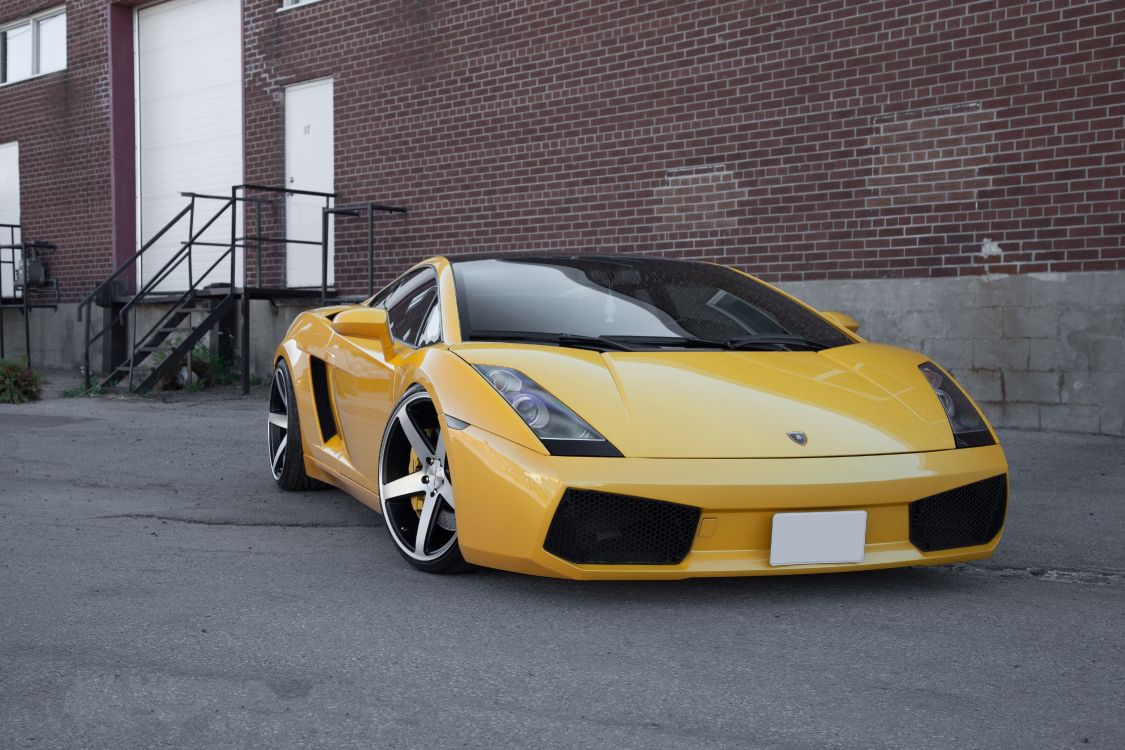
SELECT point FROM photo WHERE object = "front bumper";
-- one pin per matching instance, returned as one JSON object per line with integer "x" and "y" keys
{"x": 507, "y": 496}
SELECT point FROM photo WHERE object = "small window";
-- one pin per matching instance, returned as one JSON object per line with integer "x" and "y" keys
{"x": 33, "y": 46}
{"x": 287, "y": 4}
{"x": 16, "y": 43}
{"x": 52, "y": 44}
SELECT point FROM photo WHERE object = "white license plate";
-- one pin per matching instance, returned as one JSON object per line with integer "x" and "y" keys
{"x": 806, "y": 538}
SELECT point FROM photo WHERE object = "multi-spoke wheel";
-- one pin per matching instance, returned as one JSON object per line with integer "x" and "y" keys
{"x": 416, "y": 487}
{"x": 287, "y": 462}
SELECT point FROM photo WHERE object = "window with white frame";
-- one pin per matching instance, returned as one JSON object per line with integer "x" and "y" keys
{"x": 33, "y": 46}
{"x": 287, "y": 4}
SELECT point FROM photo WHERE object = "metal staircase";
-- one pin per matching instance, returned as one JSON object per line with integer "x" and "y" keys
{"x": 180, "y": 317}
{"x": 208, "y": 297}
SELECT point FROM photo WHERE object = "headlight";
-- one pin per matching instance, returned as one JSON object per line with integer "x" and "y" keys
{"x": 969, "y": 429}
{"x": 562, "y": 431}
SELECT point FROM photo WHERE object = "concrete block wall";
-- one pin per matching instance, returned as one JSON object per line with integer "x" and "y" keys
{"x": 1042, "y": 351}
{"x": 1037, "y": 351}
{"x": 58, "y": 337}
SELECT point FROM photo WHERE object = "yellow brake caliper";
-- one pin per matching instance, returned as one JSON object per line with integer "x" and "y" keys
{"x": 416, "y": 501}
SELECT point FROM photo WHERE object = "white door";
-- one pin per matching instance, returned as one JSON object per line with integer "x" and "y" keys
{"x": 309, "y": 165}
{"x": 189, "y": 120}
{"x": 9, "y": 213}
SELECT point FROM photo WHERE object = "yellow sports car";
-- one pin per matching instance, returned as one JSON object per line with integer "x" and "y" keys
{"x": 628, "y": 417}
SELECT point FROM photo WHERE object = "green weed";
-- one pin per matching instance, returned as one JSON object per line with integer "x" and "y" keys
{"x": 18, "y": 382}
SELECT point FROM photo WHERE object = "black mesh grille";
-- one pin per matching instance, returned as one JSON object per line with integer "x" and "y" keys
{"x": 961, "y": 517}
{"x": 602, "y": 528}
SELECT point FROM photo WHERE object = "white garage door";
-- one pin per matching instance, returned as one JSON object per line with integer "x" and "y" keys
{"x": 9, "y": 213}
{"x": 189, "y": 105}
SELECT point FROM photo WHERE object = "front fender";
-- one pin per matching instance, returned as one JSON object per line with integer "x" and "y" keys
{"x": 460, "y": 392}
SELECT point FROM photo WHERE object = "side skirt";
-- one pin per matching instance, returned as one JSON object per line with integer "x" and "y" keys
{"x": 365, "y": 496}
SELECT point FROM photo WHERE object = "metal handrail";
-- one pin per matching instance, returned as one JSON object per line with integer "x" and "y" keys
{"x": 27, "y": 296}
{"x": 238, "y": 195}
{"x": 260, "y": 239}
{"x": 131, "y": 260}
{"x": 177, "y": 258}
{"x": 285, "y": 191}
{"x": 184, "y": 253}
{"x": 355, "y": 211}
{"x": 245, "y": 306}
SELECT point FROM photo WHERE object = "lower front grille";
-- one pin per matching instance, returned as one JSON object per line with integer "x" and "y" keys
{"x": 600, "y": 528}
{"x": 961, "y": 517}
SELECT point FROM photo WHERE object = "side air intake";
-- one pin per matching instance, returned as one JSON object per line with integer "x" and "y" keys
{"x": 323, "y": 399}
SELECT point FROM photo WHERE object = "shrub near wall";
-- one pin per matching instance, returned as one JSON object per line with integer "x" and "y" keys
{"x": 18, "y": 382}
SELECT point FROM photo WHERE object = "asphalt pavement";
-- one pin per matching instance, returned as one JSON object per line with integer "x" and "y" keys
{"x": 157, "y": 590}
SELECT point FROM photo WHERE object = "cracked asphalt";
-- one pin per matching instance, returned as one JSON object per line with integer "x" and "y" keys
{"x": 157, "y": 590}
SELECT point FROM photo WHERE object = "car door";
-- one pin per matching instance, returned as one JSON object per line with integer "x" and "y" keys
{"x": 364, "y": 379}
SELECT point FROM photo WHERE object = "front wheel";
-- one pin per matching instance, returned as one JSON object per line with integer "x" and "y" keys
{"x": 416, "y": 487}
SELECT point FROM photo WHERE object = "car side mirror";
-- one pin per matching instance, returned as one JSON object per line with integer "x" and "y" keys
{"x": 843, "y": 320}
{"x": 365, "y": 323}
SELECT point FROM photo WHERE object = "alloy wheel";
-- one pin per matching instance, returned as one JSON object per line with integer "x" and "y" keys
{"x": 415, "y": 484}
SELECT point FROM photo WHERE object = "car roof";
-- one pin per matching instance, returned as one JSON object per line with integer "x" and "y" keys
{"x": 624, "y": 260}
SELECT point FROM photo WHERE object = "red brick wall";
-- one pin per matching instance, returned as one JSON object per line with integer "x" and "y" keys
{"x": 61, "y": 121}
{"x": 800, "y": 140}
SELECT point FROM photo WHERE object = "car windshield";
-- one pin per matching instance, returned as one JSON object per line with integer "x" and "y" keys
{"x": 630, "y": 303}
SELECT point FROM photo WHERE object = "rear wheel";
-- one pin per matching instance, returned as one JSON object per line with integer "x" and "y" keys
{"x": 287, "y": 460}
{"x": 416, "y": 487}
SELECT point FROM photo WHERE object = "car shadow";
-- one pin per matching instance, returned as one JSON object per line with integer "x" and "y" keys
{"x": 904, "y": 582}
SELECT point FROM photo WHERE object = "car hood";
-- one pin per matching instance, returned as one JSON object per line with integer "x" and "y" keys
{"x": 861, "y": 399}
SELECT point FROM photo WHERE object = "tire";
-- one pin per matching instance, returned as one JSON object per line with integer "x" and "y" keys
{"x": 416, "y": 487}
{"x": 283, "y": 429}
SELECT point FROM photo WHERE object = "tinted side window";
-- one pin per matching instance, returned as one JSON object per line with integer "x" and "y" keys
{"x": 407, "y": 313}
{"x": 391, "y": 293}
{"x": 431, "y": 329}
{"x": 380, "y": 299}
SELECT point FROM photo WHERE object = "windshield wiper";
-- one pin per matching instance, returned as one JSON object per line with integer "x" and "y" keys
{"x": 684, "y": 342}
{"x": 590, "y": 342}
{"x": 597, "y": 343}
{"x": 770, "y": 342}
{"x": 764, "y": 342}
{"x": 773, "y": 341}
